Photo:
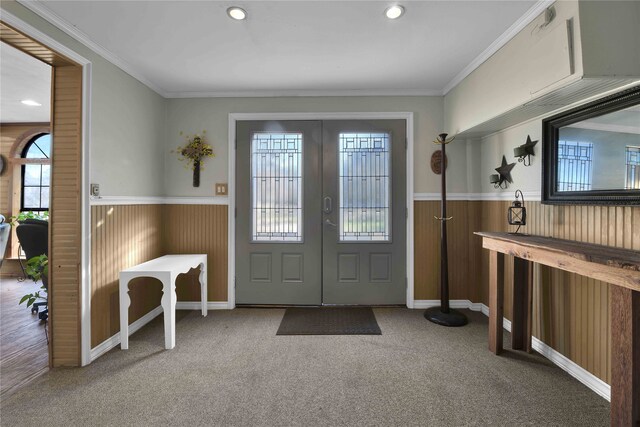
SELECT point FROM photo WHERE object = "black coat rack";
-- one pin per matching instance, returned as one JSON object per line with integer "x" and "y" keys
{"x": 444, "y": 315}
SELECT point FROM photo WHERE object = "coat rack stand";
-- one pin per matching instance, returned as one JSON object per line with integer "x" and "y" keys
{"x": 444, "y": 315}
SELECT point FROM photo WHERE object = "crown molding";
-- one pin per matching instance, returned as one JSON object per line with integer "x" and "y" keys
{"x": 47, "y": 14}
{"x": 302, "y": 92}
{"x": 504, "y": 38}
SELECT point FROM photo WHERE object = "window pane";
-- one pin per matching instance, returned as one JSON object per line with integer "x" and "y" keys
{"x": 40, "y": 148}
{"x": 46, "y": 174}
{"x": 574, "y": 165}
{"x": 31, "y": 198}
{"x": 32, "y": 174}
{"x": 44, "y": 197}
{"x": 364, "y": 186}
{"x": 276, "y": 187}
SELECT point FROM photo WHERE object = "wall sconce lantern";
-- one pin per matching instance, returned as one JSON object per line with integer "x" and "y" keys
{"x": 525, "y": 151}
{"x": 517, "y": 214}
{"x": 500, "y": 179}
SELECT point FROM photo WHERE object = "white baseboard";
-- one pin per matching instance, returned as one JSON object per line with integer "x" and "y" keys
{"x": 598, "y": 386}
{"x": 454, "y": 303}
{"x": 114, "y": 340}
{"x": 195, "y": 305}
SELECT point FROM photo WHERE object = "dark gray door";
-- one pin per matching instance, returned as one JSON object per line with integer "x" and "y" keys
{"x": 364, "y": 212}
{"x": 278, "y": 220}
{"x": 321, "y": 212}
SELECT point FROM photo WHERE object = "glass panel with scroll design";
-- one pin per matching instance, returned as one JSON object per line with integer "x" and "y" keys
{"x": 276, "y": 187}
{"x": 633, "y": 168}
{"x": 365, "y": 187}
{"x": 598, "y": 153}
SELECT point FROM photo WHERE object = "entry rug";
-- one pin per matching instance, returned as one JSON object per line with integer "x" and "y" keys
{"x": 329, "y": 321}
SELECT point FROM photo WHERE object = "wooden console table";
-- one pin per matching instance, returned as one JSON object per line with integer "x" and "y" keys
{"x": 619, "y": 267}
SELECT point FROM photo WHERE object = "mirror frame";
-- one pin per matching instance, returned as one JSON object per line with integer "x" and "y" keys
{"x": 550, "y": 132}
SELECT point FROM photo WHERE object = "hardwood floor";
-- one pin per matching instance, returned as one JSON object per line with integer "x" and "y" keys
{"x": 23, "y": 344}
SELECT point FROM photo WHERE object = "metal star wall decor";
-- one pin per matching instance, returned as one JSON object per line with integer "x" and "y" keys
{"x": 504, "y": 174}
{"x": 525, "y": 151}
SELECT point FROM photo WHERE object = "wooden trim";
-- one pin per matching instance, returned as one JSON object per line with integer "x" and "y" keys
{"x": 24, "y": 43}
{"x": 496, "y": 299}
{"x": 625, "y": 355}
{"x": 65, "y": 220}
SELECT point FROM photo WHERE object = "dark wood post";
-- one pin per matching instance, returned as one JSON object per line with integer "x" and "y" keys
{"x": 444, "y": 315}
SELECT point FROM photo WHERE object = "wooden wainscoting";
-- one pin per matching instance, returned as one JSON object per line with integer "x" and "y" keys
{"x": 200, "y": 229}
{"x": 427, "y": 250}
{"x": 121, "y": 237}
{"x": 126, "y": 235}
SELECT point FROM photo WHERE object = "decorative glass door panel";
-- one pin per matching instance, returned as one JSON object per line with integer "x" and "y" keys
{"x": 364, "y": 186}
{"x": 276, "y": 187}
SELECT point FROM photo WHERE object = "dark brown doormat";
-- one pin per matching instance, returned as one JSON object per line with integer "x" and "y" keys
{"x": 329, "y": 321}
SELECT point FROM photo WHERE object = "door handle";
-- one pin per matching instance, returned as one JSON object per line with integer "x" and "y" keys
{"x": 328, "y": 222}
{"x": 327, "y": 205}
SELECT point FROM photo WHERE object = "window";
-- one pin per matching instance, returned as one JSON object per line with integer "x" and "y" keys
{"x": 276, "y": 187}
{"x": 574, "y": 166}
{"x": 364, "y": 185}
{"x": 632, "y": 181}
{"x": 36, "y": 174}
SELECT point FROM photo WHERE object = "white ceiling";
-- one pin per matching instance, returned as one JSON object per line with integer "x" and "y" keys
{"x": 23, "y": 77}
{"x": 183, "y": 48}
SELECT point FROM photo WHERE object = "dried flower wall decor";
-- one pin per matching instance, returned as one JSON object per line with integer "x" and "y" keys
{"x": 193, "y": 153}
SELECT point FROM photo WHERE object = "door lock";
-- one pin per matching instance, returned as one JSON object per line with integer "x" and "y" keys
{"x": 327, "y": 205}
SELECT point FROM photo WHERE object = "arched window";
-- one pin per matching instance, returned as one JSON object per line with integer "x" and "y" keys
{"x": 36, "y": 174}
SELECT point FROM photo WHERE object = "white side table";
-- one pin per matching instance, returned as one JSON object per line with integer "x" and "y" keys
{"x": 166, "y": 269}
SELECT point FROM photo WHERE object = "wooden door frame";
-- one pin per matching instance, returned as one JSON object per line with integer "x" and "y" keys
{"x": 231, "y": 226}
{"x": 84, "y": 299}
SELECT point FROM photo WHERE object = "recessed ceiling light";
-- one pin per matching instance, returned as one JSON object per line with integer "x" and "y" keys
{"x": 31, "y": 103}
{"x": 237, "y": 13}
{"x": 394, "y": 12}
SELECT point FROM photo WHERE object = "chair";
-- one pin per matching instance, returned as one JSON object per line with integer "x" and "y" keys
{"x": 5, "y": 230}
{"x": 33, "y": 235}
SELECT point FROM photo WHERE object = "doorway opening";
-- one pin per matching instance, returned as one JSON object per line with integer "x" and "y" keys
{"x": 51, "y": 178}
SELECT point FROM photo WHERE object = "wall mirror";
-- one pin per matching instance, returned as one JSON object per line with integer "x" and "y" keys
{"x": 591, "y": 154}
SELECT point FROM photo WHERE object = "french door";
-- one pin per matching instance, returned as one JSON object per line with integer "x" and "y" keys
{"x": 321, "y": 212}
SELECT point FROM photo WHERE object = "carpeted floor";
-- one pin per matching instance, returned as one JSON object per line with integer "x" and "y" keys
{"x": 230, "y": 368}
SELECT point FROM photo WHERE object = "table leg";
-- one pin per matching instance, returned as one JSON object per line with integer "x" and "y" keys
{"x": 168, "y": 301}
{"x": 625, "y": 357}
{"x": 203, "y": 287}
{"x": 522, "y": 301}
{"x": 125, "y": 301}
{"x": 496, "y": 300}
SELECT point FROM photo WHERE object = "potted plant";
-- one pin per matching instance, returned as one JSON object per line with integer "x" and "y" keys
{"x": 22, "y": 216}
{"x": 38, "y": 269}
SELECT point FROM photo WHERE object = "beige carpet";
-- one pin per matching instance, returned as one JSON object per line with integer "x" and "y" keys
{"x": 230, "y": 368}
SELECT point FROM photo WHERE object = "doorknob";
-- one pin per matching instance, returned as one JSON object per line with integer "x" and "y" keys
{"x": 327, "y": 205}
{"x": 328, "y": 222}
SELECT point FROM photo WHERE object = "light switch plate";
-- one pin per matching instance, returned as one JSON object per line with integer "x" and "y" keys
{"x": 221, "y": 189}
